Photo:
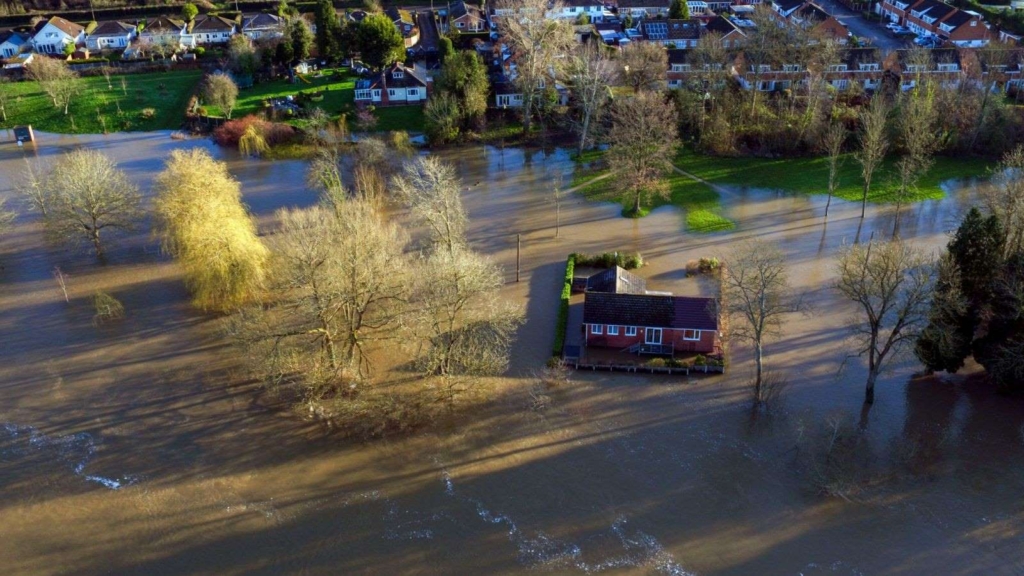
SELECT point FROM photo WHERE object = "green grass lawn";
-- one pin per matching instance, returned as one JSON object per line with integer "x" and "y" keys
{"x": 99, "y": 108}
{"x": 338, "y": 88}
{"x": 699, "y": 201}
{"x": 810, "y": 175}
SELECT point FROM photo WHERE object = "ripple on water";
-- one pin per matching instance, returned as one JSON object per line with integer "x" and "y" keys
{"x": 72, "y": 450}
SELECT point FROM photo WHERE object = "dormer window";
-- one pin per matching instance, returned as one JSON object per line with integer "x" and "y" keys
{"x": 837, "y": 68}
{"x": 790, "y": 67}
{"x": 397, "y": 74}
{"x": 869, "y": 67}
{"x": 948, "y": 67}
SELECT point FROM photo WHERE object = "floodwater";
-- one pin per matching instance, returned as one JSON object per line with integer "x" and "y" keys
{"x": 137, "y": 448}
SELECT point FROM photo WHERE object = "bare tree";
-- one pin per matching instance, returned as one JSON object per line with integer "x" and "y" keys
{"x": 1005, "y": 199}
{"x": 708, "y": 67}
{"x": 891, "y": 284}
{"x": 339, "y": 282}
{"x": 644, "y": 138}
{"x": 832, "y": 144}
{"x": 58, "y": 80}
{"x": 756, "y": 293}
{"x": 538, "y": 44}
{"x": 464, "y": 331}
{"x": 220, "y": 91}
{"x": 6, "y": 218}
{"x": 431, "y": 190}
{"x": 644, "y": 66}
{"x": 589, "y": 75}
{"x": 324, "y": 175}
{"x": 557, "y": 197}
{"x": 82, "y": 196}
{"x": 204, "y": 225}
{"x": 917, "y": 129}
{"x": 874, "y": 142}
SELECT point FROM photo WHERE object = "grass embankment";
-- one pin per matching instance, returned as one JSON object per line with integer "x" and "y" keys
{"x": 153, "y": 101}
{"x": 810, "y": 175}
{"x": 698, "y": 200}
{"x": 338, "y": 91}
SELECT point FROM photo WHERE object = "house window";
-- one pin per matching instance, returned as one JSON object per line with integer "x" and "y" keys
{"x": 948, "y": 67}
{"x": 680, "y": 67}
{"x": 597, "y": 328}
{"x": 613, "y": 330}
{"x": 790, "y": 67}
{"x": 630, "y": 330}
{"x": 691, "y": 334}
{"x": 397, "y": 74}
{"x": 392, "y": 92}
{"x": 837, "y": 68}
{"x": 764, "y": 68}
{"x": 376, "y": 93}
{"x": 869, "y": 67}
{"x": 652, "y": 336}
{"x": 362, "y": 94}
{"x": 460, "y": 25}
{"x": 412, "y": 92}
{"x": 840, "y": 84}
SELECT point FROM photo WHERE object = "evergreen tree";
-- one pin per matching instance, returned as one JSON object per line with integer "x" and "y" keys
{"x": 680, "y": 10}
{"x": 327, "y": 30}
{"x": 1001, "y": 350}
{"x": 464, "y": 77}
{"x": 301, "y": 39}
{"x": 379, "y": 41}
{"x": 446, "y": 49}
{"x": 977, "y": 249}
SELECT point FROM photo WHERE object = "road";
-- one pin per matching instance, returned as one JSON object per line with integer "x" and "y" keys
{"x": 861, "y": 28}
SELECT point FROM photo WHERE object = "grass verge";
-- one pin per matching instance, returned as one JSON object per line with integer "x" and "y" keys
{"x": 810, "y": 175}
{"x": 153, "y": 101}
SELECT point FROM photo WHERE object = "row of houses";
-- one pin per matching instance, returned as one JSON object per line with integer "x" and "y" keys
{"x": 56, "y": 34}
{"x": 963, "y": 28}
{"x": 864, "y": 67}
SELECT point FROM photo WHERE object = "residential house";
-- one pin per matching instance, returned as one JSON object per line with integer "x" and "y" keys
{"x": 573, "y": 9}
{"x": 644, "y": 8}
{"x": 207, "y": 29}
{"x": 732, "y": 36}
{"x": 467, "y": 17}
{"x": 786, "y": 8}
{"x": 924, "y": 16}
{"x": 678, "y": 67}
{"x": 262, "y": 26}
{"x": 895, "y": 10}
{"x": 650, "y": 323}
{"x": 861, "y": 66}
{"x": 678, "y": 33}
{"x": 396, "y": 86}
{"x": 767, "y": 75}
{"x": 13, "y": 43}
{"x": 55, "y": 34}
{"x": 821, "y": 25}
{"x": 405, "y": 21}
{"x": 611, "y": 33}
{"x": 111, "y": 35}
{"x": 166, "y": 32}
{"x": 507, "y": 94}
{"x": 965, "y": 29}
{"x": 942, "y": 65}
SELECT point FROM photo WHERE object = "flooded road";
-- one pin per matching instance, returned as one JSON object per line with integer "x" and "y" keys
{"x": 137, "y": 448}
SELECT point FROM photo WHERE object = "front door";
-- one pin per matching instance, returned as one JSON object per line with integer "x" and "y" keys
{"x": 652, "y": 336}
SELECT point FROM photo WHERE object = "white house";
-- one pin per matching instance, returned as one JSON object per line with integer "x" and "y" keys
{"x": 12, "y": 43}
{"x": 395, "y": 86}
{"x": 111, "y": 35}
{"x": 573, "y": 9}
{"x": 57, "y": 33}
{"x": 644, "y": 8}
{"x": 208, "y": 29}
{"x": 262, "y": 25}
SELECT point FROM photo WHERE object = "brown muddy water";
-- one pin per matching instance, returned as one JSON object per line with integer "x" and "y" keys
{"x": 135, "y": 448}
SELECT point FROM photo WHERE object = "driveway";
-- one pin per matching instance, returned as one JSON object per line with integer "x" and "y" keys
{"x": 861, "y": 28}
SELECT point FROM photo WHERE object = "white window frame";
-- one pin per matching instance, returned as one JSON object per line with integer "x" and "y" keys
{"x": 613, "y": 330}
{"x": 694, "y": 338}
{"x": 650, "y": 332}
{"x": 597, "y": 329}
{"x": 630, "y": 330}
{"x": 412, "y": 92}
{"x": 392, "y": 92}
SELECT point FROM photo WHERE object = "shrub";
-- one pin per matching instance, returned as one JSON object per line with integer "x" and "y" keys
{"x": 657, "y": 363}
{"x": 107, "y": 308}
{"x": 700, "y": 360}
{"x": 563, "y": 307}
{"x": 229, "y": 133}
{"x": 148, "y": 113}
{"x": 609, "y": 259}
{"x": 708, "y": 265}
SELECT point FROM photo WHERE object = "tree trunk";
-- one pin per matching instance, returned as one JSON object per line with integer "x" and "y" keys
{"x": 828, "y": 203}
{"x": 94, "y": 236}
{"x": 636, "y": 204}
{"x": 869, "y": 391}
{"x": 759, "y": 366}
{"x": 864, "y": 200}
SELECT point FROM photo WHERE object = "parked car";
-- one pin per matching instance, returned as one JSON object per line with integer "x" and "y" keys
{"x": 928, "y": 41}
{"x": 893, "y": 26}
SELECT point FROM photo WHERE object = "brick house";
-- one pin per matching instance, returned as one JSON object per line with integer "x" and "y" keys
{"x": 731, "y": 34}
{"x": 651, "y": 323}
{"x": 467, "y": 18}
{"x": 820, "y": 24}
{"x": 679, "y": 33}
{"x": 405, "y": 21}
{"x": 965, "y": 29}
{"x": 863, "y": 66}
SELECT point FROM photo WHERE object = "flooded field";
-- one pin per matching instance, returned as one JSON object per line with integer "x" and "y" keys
{"x": 136, "y": 448}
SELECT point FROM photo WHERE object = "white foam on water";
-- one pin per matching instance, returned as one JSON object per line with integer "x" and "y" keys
{"x": 75, "y": 449}
{"x": 639, "y": 548}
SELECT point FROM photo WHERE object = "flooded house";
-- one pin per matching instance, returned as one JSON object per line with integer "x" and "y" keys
{"x": 621, "y": 314}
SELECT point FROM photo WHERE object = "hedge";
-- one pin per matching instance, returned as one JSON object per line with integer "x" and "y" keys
{"x": 563, "y": 307}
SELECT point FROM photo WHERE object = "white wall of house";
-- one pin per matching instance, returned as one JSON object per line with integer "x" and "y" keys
{"x": 509, "y": 100}
{"x": 109, "y": 42}
{"x": 52, "y": 40}
{"x": 212, "y": 37}
{"x": 8, "y": 49}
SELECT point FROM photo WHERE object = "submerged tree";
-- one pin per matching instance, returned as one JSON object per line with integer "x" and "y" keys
{"x": 432, "y": 191}
{"x": 590, "y": 75}
{"x": 891, "y": 284}
{"x": 756, "y": 295}
{"x": 339, "y": 281}
{"x": 873, "y": 143}
{"x": 83, "y": 197}
{"x": 644, "y": 66}
{"x": 204, "y": 225}
{"x": 1006, "y": 199}
{"x": 465, "y": 332}
{"x": 832, "y": 144}
{"x": 643, "y": 139}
